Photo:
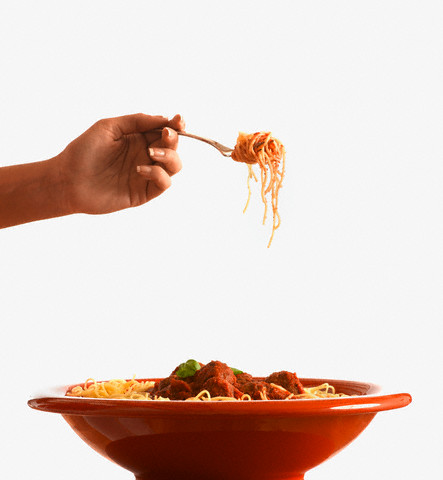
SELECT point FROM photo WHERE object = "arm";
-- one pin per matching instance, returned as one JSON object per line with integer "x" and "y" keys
{"x": 31, "y": 192}
{"x": 117, "y": 163}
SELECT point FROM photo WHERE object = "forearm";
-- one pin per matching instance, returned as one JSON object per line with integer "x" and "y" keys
{"x": 33, "y": 191}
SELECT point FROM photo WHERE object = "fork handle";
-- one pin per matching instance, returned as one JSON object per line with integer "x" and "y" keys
{"x": 226, "y": 151}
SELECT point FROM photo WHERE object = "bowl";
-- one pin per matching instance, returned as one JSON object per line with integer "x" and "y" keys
{"x": 274, "y": 439}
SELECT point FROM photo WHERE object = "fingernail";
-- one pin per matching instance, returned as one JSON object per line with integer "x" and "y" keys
{"x": 144, "y": 169}
{"x": 156, "y": 152}
{"x": 168, "y": 132}
{"x": 181, "y": 120}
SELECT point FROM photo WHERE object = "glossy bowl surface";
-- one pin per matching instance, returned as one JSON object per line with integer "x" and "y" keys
{"x": 258, "y": 440}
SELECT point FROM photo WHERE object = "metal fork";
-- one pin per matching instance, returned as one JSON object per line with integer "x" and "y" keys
{"x": 225, "y": 151}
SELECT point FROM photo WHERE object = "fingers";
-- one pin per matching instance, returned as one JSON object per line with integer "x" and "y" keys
{"x": 136, "y": 123}
{"x": 168, "y": 139}
{"x": 159, "y": 180}
{"x": 140, "y": 123}
{"x": 163, "y": 151}
{"x": 177, "y": 123}
{"x": 167, "y": 158}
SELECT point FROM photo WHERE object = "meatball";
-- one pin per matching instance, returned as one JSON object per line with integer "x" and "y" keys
{"x": 220, "y": 388}
{"x": 173, "y": 388}
{"x": 254, "y": 389}
{"x": 243, "y": 378}
{"x": 217, "y": 378}
{"x": 213, "y": 369}
{"x": 287, "y": 380}
{"x": 275, "y": 393}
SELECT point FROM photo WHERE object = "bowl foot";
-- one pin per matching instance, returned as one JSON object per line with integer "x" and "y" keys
{"x": 211, "y": 477}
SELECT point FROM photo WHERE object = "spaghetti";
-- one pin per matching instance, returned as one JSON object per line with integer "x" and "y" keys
{"x": 214, "y": 382}
{"x": 142, "y": 390}
{"x": 129, "y": 389}
{"x": 269, "y": 153}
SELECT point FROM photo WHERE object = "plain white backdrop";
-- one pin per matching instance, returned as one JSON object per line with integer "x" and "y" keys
{"x": 351, "y": 287}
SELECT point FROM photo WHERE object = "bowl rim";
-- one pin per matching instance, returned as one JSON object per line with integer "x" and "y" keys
{"x": 371, "y": 400}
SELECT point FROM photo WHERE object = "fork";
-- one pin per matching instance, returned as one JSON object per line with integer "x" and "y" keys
{"x": 225, "y": 151}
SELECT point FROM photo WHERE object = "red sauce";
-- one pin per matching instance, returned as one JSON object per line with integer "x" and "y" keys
{"x": 220, "y": 381}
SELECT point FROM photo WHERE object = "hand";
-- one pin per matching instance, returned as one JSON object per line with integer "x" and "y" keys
{"x": 120, "y": 162}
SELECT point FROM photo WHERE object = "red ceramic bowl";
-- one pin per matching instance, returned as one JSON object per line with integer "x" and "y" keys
{"x": 258, "y": 440}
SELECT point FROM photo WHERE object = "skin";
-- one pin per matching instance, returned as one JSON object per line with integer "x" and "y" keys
{"x": 117, "y": 163}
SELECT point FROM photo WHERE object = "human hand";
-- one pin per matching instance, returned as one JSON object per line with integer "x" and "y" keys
{"x": 119, "y": 163}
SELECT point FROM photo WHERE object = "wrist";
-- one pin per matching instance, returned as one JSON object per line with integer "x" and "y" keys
{"x": 61, "y": 184}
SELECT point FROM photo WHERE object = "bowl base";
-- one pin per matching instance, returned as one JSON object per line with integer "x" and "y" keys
{"x": 211, "y": 477}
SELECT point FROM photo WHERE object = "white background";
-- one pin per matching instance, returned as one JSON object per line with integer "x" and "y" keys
{"x": 351, "y": 287}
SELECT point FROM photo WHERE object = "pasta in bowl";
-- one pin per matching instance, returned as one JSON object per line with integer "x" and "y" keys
{"x": 206, "y": 439}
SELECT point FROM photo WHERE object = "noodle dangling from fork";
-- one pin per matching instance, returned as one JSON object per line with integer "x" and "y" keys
{"x": 269, "y": 153}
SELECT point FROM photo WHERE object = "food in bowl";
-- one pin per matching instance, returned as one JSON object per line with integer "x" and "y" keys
{"x": 215, "y": 381}
{"x": 215, "y": 440}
